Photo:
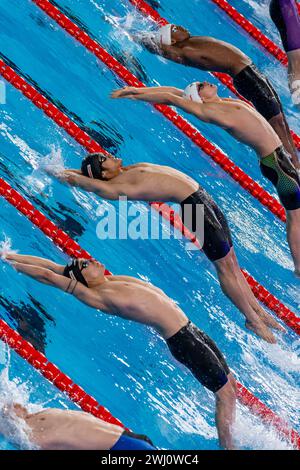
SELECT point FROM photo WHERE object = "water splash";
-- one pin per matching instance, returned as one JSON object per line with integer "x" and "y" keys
{"x": 5, "y": 248}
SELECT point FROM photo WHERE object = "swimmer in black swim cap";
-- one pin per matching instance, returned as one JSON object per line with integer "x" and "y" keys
{"x": 100, "y": 166}
{"x": 139, "y": 301}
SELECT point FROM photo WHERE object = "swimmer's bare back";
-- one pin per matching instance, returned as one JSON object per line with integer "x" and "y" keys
{"x": 208, "y": 54}
{"x": 55, "y": 429}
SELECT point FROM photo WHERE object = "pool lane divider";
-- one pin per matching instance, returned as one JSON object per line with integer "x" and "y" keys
{"x": 63, "y": 382}
{"x": 225, "y": 79}
{"x": 22, "y": 347}
{"x": 54, "y": 375}
{"x": 261, "y": 293}
{"x": 190, "y": 131}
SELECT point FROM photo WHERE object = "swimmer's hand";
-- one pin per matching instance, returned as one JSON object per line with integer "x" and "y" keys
{"x": 126, "y": 92}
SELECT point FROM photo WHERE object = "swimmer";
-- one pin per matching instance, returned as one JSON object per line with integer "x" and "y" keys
{"x": 109, "y": 179}
{"x": 245, "y": 124}
{"x": 212, "y": 55}
{"x": 285, "y": 15}
{"x": 139, "y": 301}
{"x": 55, "y": 429}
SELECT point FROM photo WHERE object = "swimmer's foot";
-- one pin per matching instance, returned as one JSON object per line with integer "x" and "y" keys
{"x": 261, "y": 329}
{"x": 270, "y": 321}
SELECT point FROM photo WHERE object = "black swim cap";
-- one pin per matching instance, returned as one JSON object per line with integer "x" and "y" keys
{"x": 73, "y": 271}
{"x": 92, "y": 165}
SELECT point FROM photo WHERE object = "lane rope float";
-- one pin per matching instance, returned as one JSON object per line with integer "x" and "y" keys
{"x": 225, "y": 79}
{"x": 190, "y": 131}
{"x": 52, "y": 111}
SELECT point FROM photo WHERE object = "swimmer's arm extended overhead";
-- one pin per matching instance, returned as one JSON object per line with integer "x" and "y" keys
{"x": 134, "y": 280}
{"x": 35, "y": 261}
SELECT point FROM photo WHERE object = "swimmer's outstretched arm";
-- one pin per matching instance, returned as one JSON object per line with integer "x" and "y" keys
{"x": 36, "y": 261}
{"x": 136, "y": 93}
{"x": 134, "y": 280}
{"x": 159, "y": 96}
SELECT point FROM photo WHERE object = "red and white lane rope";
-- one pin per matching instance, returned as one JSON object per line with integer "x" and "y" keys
{"x": 268, "y": 299}
{"x": 148, "y": 11}
{"x": 63, "y": 382}
{"x": 190, "y": 131}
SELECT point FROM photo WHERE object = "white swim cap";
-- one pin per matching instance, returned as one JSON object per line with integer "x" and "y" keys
{"x": 164, "y": 35}
{"x": 191, "y": 93}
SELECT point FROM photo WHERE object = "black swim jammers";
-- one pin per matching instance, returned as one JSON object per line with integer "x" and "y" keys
{"x": 198, "y": 352}
{"x": 255, "y": 87}
{"x": 217, "y": 236}
{"x": 279, "y": 169}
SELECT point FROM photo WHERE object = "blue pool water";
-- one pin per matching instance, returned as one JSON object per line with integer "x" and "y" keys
{"x": 127, "y": 366}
